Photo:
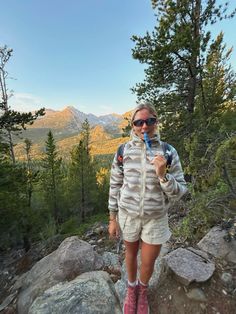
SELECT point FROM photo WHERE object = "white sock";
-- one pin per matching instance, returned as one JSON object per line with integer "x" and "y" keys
{"x": 143, "y": 284}
{"x": 132, "y": 284}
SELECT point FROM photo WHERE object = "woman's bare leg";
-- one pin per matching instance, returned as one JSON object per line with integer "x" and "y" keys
{"x": 149, "y": 253}
{"x": 131, "y": 252}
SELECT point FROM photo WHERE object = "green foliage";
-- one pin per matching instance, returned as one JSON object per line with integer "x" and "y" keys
{"x": 103, "y": 184}
{"x": 70, "y": 226}
{"x": 206, "y": 210}
{"x": 49, "y": 230}
{"x": 11, "y": 121}
{"x": 225, "y": 160}
{"x": 51, "y": 178}
{"x": 82, "y": 177}
{"x": 175, "y": 54}
{"x": 15, "y": 214}
{"x": 73, "y": 227}
{"x": 126, "y": 130}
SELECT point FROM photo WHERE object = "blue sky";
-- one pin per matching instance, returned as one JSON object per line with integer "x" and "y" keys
{"x": 78, "y": 52}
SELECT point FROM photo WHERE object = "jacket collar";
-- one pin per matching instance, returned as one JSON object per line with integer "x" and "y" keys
{"x": 137, "y": 139}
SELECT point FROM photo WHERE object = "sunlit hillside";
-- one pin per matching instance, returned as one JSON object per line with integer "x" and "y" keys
{"x": 126, "y": 117}
{"x": 107, "y": 147}
{"x": 57, "y": 120}
{"x": 98, "y": 133}
{"x": 101, "y": 143}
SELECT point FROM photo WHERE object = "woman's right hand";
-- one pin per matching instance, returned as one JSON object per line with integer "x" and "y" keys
{"x": 113, "y": 229}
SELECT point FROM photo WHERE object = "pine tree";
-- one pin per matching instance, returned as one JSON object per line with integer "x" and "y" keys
{"x": 215, "y": 114}
{"x": 51, "y": 177}
{"x": 175, "y": 54}
{"x": 11, "y": 121}
{"x": 83, "y": 175}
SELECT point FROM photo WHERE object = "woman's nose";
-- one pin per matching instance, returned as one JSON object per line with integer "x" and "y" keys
{"x": 144, "y": 125}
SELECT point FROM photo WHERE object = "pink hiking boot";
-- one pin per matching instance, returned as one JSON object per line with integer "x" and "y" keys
{"x": 142, "y": 303}
{"x": 130, "y": 300}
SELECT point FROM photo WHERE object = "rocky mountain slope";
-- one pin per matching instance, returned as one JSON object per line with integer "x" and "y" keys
{"x": 79, "y": 273}
{"x": 69, "y": 121}
{"x": 106, "y": 132}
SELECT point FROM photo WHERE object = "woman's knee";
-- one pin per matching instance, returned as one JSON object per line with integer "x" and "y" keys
{"x": 149, "y": 253}
{"x": 131, "y": 248}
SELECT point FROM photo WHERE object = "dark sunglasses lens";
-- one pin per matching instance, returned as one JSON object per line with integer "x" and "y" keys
{"x": 138, "y": 122}
{"x": 151, "y": 121}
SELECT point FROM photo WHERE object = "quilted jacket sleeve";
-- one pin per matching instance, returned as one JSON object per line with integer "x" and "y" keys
{"x": 116, "y": 182}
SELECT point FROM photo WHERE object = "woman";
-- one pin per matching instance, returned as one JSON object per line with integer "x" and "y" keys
{"x": 139, "y": 197}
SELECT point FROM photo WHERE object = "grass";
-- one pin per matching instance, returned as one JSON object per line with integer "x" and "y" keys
{"x": 74, "y": 227}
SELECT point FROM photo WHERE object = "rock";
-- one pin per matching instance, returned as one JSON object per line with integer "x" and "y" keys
{"x": 72, "y": 258}
{"x": 214, "y": 243}
{"x": 7, "y": 301}
{"x": 99, "y": 230}
{"x": 189, "y": 266}
{"x": 112, "y": 265}
{"x": 111, "y": 261}
{"x": 197, "y": 295}
{"x": 92, "y": 242}
{"x": 89, "y": 293}
{"x": 203, "y": 306}
{"x": 99, "y": 241}
{"x": 227, "y": 280}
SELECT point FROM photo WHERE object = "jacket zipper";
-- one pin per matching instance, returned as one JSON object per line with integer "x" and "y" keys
{"x": 143, "y": 179}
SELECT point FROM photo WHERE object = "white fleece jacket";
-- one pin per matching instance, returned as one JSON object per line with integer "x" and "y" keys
{"x": 136, "y": 189}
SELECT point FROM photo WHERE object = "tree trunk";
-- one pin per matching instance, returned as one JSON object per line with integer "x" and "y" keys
{"x": 193, "y": 79}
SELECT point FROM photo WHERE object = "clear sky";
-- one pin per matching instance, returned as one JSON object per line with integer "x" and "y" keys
{"x": 78, "y": 52}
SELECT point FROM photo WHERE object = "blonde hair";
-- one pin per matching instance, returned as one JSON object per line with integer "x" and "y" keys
{"x": 140, "y": 107}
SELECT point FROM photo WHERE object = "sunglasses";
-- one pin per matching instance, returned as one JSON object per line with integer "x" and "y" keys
{"x": 149, "y": 122}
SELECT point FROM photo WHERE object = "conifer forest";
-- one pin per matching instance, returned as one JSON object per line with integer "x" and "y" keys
{"x": 190, "y": 80}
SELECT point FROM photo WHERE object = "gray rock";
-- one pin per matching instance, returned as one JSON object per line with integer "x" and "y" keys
{"x": 227, "y": 280}
{"x": 7, "y": 301}
{"x": 214, "y": 243}
{"x": 89, "y": 293}
{"x": 189, "y": 266}
{"x": 72, "y": 258}
{"x": 111, "y": 261}
{"x": 197, "y": 295}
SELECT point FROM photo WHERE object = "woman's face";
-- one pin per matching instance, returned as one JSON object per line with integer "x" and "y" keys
{"x": 150, "y": 129}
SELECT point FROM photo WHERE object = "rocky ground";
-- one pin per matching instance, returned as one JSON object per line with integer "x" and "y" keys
{"x": 216, "y": 296}
{"x": 211, "y": 297}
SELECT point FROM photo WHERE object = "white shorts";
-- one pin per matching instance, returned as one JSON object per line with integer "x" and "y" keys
{"x": 150, "y": 230}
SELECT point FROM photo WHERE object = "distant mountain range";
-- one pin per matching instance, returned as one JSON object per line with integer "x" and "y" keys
{"x": 106, "y": 131}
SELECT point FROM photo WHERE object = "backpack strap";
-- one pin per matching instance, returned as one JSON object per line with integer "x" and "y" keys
{"x": 165, "y": 147}
{"x": 167, "y": 153}
{"x": 119, "y": 155}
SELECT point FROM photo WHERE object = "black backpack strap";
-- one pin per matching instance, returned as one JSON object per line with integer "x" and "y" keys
{"x": 119, "y": 155}
{"x": 167, "y": 153}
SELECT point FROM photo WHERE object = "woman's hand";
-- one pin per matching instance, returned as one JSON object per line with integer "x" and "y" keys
{"x": 159, "y": 162}
{"x": 113, "y": 229}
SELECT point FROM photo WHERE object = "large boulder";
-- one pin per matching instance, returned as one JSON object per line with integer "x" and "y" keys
{"x": 189, "y": 265}
{"x": 89, "y": 293}
{"x": 72, "y": 258}
{"x": 215, "y": 244}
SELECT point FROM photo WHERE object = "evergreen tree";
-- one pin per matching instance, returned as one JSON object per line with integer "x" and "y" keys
{"x": 15, "y": 214}
{"x": 11, "y": 121}
{"x": 215, "y": 114}
{"x": 83, "y": 175}
{"x": 175, "y": 54}
{"x": 31, "y": 173}
{"x": 51, "y": 177}
{"x": 103, "y": 176}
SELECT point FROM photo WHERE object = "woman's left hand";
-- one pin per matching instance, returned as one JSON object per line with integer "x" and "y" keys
{"x": 159, "y": 162}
